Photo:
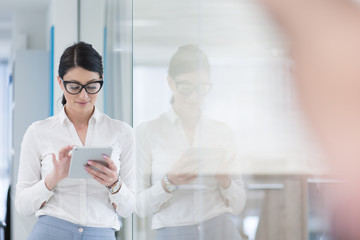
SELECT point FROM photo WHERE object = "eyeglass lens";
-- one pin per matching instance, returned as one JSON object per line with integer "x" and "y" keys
{"x": 187, "y": 89}
{"x": 75, "y": 88}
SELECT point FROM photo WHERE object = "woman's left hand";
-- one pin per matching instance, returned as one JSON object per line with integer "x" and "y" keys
{"x": 224, "y": 180}
{"x": 105, "y": 175}
{"x": 223, "y": 173}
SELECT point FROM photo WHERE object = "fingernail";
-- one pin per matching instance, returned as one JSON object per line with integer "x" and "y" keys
{"x": 105, "y": 156}
{"x": 89, "y": 162}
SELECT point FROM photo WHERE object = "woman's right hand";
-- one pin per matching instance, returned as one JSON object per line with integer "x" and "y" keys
{"x": 61, "y": 167}
{"x": 184, "y": 170}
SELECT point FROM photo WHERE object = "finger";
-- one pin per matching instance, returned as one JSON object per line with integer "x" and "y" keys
{"x": 101, "y": 167}
{"x": 192, "y": 160}
{"x": 186, "y": 163}
{"x": 54, "y": 159}
{"x": 109, "y": 161}
{"x": 97, "y": 174}
{"x": 191, "y": 175}
{"x": 68, "y": 149}
{"x": 65, "y": 151}
{"x": 190, "y": 169}
{"x": 97, "y": 178}
{"x": 71, "y": 151}
{"x": 190, "y": 178}
{"x": 108, "y": 178}
{"x": 186, "y": 179}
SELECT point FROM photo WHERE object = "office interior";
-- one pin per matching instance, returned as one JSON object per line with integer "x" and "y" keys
{"x": 252, "y": 93}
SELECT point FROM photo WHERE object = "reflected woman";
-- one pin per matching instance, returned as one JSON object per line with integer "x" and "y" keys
{"x": 76, "y": 208}
{"x": 182, "y": 160}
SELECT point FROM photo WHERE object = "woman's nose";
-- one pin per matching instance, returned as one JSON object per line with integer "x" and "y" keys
{"x": 194, "y": 96}
{"x": 83, "y": 93}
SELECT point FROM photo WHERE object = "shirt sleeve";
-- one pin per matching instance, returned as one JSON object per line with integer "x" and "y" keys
{"x": 234, "y": 195}
{"x": 31, "y": 191}
{"x": 125, "y": 197}
{"x": 149, "y": 198}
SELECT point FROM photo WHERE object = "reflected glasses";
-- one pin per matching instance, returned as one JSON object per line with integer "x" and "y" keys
{"x": 187, "y": 88}
{"x": 75, "y": 87}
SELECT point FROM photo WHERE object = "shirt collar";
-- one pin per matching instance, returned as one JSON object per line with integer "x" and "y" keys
{"x": 171, "y": 114}
{"x": 173, "y": 117}
{"x": 62, "y": 115}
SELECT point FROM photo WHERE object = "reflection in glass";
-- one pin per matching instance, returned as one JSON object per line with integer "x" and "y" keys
{"x": 186, "y": 161}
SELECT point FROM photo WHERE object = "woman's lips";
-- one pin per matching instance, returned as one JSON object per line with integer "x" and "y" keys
{"x": 82, "y": 103}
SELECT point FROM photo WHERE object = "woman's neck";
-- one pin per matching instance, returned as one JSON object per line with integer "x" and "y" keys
{"x": 188, "y": 116}
{"x": 78, "y": 118}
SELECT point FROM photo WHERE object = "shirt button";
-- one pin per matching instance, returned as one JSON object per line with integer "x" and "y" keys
{"x": 81, "y": 230}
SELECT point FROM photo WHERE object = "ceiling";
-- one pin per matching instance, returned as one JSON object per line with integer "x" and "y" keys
{"x": 11, "y": 6}
{"x": 230, "y": 28}
{"x": 224, "y": 29}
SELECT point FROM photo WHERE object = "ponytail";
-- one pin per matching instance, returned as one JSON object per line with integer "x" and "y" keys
{"x": 63, "y": 101}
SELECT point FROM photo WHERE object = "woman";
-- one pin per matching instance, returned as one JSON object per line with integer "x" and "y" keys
{"x": 66, "y": 207}
{"x": 183, "y": 157}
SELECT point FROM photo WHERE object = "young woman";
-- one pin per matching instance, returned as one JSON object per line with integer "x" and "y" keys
{"x": 189, "y": 195}
{"x": 69, "y": 208}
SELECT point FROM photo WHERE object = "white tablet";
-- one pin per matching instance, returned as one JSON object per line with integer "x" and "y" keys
{"x": 80, "y": 157}
{"x": 209, "y": 159}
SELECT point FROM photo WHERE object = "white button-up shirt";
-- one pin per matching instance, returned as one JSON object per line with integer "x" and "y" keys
{"x": 159, "y": 144}
{"x": 81, "y": 201}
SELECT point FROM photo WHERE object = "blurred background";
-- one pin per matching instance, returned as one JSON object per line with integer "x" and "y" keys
{"x": 252, "y": 93}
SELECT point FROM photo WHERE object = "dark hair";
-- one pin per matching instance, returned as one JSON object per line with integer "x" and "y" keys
{"x": 188, "y": 58}
{"x": 83, "y": 55}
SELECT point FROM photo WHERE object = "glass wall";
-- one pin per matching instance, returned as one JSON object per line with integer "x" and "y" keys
{"x": 222, "y": 149}
{"x": 5, "y": 140}
{"x": 117, "y": 54}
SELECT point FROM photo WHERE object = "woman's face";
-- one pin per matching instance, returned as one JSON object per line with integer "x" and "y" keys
{"x": 83, "y": 101}
{"x": 189, "y": 89}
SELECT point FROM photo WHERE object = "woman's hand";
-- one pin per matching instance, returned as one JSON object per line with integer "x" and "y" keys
{"x": 223, "y": 172}
{"x": 61, "y": 167}
{"x": 224, "y": 180}
{"x": 106, "y": 176}
{"x": 184, "y": 170}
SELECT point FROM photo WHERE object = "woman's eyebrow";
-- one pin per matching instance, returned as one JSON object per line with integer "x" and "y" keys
{"x": 72, "y": 80}
{"x": 75, "y": 81}
{"x": 183, "y": 81}
{"x": 92, "y": 80}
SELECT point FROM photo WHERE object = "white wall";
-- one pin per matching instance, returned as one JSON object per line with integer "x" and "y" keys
{"x": 31, "y": 96}
{"x": 33, "y": 26}
{"x": 31, "y": 76}
{"x": 63, "y": 15}
{"x": 91, "y": 30}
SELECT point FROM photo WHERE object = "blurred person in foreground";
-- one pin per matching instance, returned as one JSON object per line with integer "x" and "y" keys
{"x": 184, "y": 160}
{"x": 324, "y": 38}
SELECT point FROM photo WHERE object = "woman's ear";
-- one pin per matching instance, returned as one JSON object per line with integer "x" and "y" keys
{"x": 171, "y": 83}
{"x": 60, "y": 83}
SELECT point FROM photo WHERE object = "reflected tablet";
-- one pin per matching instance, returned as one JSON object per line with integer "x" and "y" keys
{"x": 80, "y": 156}
{"x": 209, "y": 159}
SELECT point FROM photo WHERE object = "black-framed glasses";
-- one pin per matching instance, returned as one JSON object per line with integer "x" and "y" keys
{"x": 73, "y": 88}
{"x": 185, "y": 88}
